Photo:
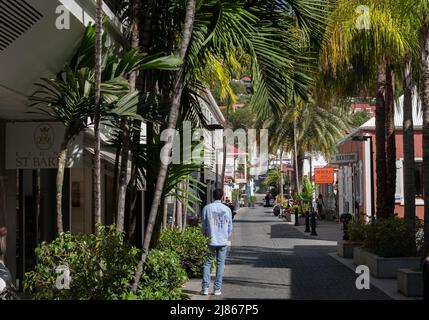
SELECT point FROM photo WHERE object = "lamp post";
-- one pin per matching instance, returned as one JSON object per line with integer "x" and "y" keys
{"x": 365, "y": 138}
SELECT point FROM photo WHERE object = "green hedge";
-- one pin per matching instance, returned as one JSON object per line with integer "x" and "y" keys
{"x": 102, "y": 267}
{"x": 385, "y": 237}
{"x": 191, "y": 246}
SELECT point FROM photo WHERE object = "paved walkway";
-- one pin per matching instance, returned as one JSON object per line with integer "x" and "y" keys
{"x": 271, "y": 259}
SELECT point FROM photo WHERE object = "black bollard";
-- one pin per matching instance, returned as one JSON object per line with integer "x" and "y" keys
{"x": 313, "y": 224}
{"x": 307, "y": 221}
{"x": 296, "y": 217}
{"x": 426, "y": 279}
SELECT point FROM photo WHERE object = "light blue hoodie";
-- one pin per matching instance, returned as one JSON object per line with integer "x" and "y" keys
{"x": 216, "y": 223}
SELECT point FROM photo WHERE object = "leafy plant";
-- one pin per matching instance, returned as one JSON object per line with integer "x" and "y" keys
{"x": 356, "y": 230}
{"x": 102, "y": 267}
{"x": 388, "y": 237}
{"x": 191, "y": 246}
{"x": 162, "y": 277}
{"x": 307, "y": 190}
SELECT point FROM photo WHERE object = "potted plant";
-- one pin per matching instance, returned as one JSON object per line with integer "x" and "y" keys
{"x": 385, "y": 250}
{"x": 355, "y": 235}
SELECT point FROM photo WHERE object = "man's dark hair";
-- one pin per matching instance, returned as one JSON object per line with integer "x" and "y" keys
{"x": 218, "y": 194}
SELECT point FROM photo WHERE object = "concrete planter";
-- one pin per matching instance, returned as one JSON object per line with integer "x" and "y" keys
{"x": 359, "y": 256}
{"x": 345, "y": 248}
{"x": 387, "y": 267}
{"x": 410, "y": 282}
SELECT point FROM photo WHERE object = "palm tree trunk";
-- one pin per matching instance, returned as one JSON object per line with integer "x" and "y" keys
{"x": 62, "y": 158}
{"x": 380, "y": 134}
{"x": 408, "y": 142}
{"x": 185, "y": 211}
{"x": 97, "y": 160}
{"x": 116, "y": 177}
{"x": 144, "y": 86}
{"x": 424, "y": 43}
{"x": 172, "y": 118}
{"x": 122, "y": 188}
{"x": 390, "y": 146}
{"x": 179, "y": 212}
{"x": 164, "y": 214}
{"x": 295, "y": 160}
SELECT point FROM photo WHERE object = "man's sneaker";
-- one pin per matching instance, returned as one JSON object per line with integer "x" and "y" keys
{"x": 205, "y": 292}
{"x": 217, "y": 292}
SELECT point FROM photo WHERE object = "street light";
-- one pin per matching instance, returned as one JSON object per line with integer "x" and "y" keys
{"x": 361, "y": 139}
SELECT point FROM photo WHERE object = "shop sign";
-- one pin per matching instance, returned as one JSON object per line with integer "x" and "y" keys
{"x": 35, "y": 145}
{"x": 343, "y": 158}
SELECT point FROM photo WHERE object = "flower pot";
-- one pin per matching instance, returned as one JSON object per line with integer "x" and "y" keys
{"x": 359, "y": 257}
{"x": 410, "y": 282}
{"x": 381, "y": 267}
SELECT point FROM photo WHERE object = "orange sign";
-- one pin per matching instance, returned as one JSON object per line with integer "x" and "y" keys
{"x": 324, "y": 175}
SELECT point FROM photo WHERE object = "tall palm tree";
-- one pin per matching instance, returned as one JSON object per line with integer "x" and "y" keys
{"x": 125, "y": 145}
{"x": 424, "y": 45}
{"x": 222, "y": 27}
{"x": 377, "y": 46}
{"x": 70, "y": 96}
{"x": 174, "y": 110}
{"x": 408, "y": 142}
{"x": 97, "y": 93}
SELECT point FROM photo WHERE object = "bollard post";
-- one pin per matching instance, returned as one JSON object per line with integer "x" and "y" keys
{"x": 296, "y": 217}
{"x": 313, "y": 224}
{"x": 307, "y": 221}
{"x": 426, "y": 279}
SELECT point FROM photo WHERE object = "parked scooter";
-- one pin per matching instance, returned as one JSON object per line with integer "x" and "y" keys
{"x": 7, "y": 289}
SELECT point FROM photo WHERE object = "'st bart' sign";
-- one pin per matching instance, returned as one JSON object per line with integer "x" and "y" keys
{"x": 35, "y": 145}
{"x": 324, "y": 175}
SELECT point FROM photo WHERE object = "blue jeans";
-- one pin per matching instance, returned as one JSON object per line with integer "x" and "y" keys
{"x": 220, "y": 252}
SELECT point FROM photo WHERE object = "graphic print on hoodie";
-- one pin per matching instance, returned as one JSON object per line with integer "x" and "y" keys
{"x": 217, "y": 223}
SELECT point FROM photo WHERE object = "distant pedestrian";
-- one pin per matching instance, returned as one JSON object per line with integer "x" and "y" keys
{"x": 320, "y": 204}
{"x": 216, "y": 224}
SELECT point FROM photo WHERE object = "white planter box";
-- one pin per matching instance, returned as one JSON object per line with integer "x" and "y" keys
{"x": 410, "y": 283}
{"x": 359, "y": 256}
{"x": 345, "y": 248}
{"x": 387, "y": 267}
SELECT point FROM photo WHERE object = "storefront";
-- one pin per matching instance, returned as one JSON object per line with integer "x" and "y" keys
{"x": 354, "y": 161}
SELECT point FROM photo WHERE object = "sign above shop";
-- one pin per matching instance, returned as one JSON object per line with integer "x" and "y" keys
{"x": 343, "y": 158}
{"x": 35, "y": 145}
{"x": 324, "y": 175}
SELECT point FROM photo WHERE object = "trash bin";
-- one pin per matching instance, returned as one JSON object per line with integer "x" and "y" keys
{"x": 345, "y": 218}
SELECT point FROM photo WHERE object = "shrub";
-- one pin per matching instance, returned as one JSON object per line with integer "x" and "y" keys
{"x": 388, "y": 237}
{"x": 162, "y": 276}
{"x": 102, "y": 267}
{"x": 191, "y": 246}
{"x": 356, "y": 230}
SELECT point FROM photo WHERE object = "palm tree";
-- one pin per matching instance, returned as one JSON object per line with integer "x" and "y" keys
{"x": 97, "y": 93}
{"x": 174, "y": 110}
{"x": 408, "y": 136}
{"x": 222, "y": 27}
{"x": 424, "y": 45}
{"x": 70, "y": 96}
{"x": 377, "y": 47}
{"x": 125, "y": 145}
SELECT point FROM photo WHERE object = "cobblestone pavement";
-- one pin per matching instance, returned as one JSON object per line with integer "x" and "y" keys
{"x": 271, "y": 259}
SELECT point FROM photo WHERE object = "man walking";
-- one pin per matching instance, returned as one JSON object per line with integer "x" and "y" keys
{"x": 216, "y": 224}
